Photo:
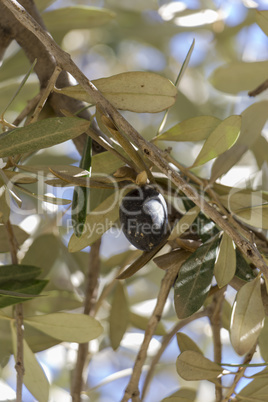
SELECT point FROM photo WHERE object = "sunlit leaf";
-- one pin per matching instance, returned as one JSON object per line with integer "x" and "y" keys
{"x": 262, "y": 21}
{"x": 97, "y": 223}
{"x": 20, "y": 236}
{"x": 257, "y": 390}
{"x": 186, "y": 343}
{"x": 194, "y": 129}
{"x": 260, "y": 150}
{"x": 256, "y": 216}
{"x": 34, "y": 377}
{"x": 43, "y": 197}
{"x": 20, "y": 178}
{"x": 194, "y": 279}
{"x": 239, "y": 76}
{"x": 105, "y": 163}
{"x": 192, "y": 366}
{"x": 41, "y": 134}
{"x": 119, "y": 316}
{"x": 182, "y": 395}
{"x": 247, "y": 317}
{"x": 67, "y": 327}
{"x": 225, "y": 265}
{"x": 137, "y": 91}
{"x": 220, "y": 140}
{"x": 263, "y": 344}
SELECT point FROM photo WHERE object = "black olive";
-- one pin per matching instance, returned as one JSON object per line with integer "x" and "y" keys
{"x": 144, "y": 217}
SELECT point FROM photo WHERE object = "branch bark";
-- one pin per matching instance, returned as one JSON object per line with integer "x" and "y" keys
{"x": 155, "y": 155}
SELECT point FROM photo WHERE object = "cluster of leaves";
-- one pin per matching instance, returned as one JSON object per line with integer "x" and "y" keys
{"x": 196, "y": 246}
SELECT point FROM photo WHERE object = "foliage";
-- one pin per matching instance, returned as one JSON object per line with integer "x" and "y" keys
{"x": 211, "y": 265}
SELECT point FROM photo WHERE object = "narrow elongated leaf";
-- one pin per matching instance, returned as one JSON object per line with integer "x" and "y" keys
{"x": 141, "y": 322}
{"x": 192, "y": 366}
{"x": 67, "y": 327}
{"x": 119, "y": 316}
{"x": 19, "y": 234}
{"x": 243, "y": 270}
{"x": 194, "y": 279}
{"x": 194, "y": 129}
{"x": 171, "y": 259}
{"x": 137, "y": 91}
{"x": 45, "y": 170}
{"x": 239, "y": 76}
{"x": 253, "y": 120}
{"x": 247, "y": 317}
{"x": 45, "y": 198}
{"x": 262, "y": 20}
{"x": 186, "y": 343}
{"x": 34, "y": 377}
{"x": 220, "y": 140}
{"x": 256, "y": 216}
{"x": 16, "y": 292}
{"x": 182, "y": 395}
{"x": 18, "y": 273}
{"x": 20, "y": 178}
{"x": 184, "y": 223}
{"x": 96, "y": 224}
{"x": 225, "y": 265}
{"x": 105, "y": 163}
{"x": 41, "y": 134}
{"x": 257, "y": 390}
{"x": 263, "y": 345}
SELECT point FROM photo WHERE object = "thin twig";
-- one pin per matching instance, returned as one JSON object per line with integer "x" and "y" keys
{"x": 90, "y": 298}
{"x": 154, "y": 154}
{"x": 261, "y": 88}
{"x": 165, "y": 341}
{"x": 132, "y": 390}
{"x": 216, "y": 324}
{"x": 19, "y": 366}
{"x": 239, "y": 374}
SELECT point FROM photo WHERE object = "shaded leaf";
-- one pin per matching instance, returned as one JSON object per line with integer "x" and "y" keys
{"x": 45, "y": 170}
{"x": 34, "y": 377}
{"x": 19, "y": 234}
{"x": 41, "y": 134}
{"x": 141, "y": 322}
{"x": 105, "y": 163}
{"x": 186, "y": 343}
{"x": 172, "y": 259}
{"x": 192, "y": 366}
{"x": 194, "y": 279}
{"x": 16, "y": 292}
{"x": 220, "y": 140}
{"x": 137, "y": 91}
{"x": 97, "y": 223}
{"x": 225, "y": 265}
{"x": 67, "y": 327}
{"x": 260, "y": 150}
{"x": 226, "y": 315}
{"x": 45, "y": 198}
{"x": 37, "y": 340}
{"x": 256, "y": 216}
{"x": 243, "y": 270}
{"x": 256, "y": 391}
{"x": 263, "y": 345}
{"x": 247, "y": 317}
{"x": 119, "y": 316}
{"x": 20, "y": 178}
{"x": 84, "y": 181}
{"x": 194, "y": 129}
{"x": 18, "y": 273}
{"x": 182, "y": 395}
{"x": 262, "y": 21}
{"x": 184, "y": 223}
{"x": 239, "y": 76}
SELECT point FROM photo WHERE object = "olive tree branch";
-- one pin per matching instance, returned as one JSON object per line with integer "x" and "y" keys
{"x": 19, "y": 366}
{"x": 90, "y": 298}
{"x": 132, "y": 390}
{"x": 154, "y": 154}
{"x": 165, "y": 341}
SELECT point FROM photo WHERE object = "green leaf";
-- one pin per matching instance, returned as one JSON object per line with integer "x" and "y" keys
{"x": 34, "y": 377}
{"x": 256, "y": 391}
{"x": 182, "y": 395}
{"x": 67, "y": 327}
{"x": 225, "y": 265}
{"x": 184, "y": 223}
{"x": 192, "y": 366}
{"x": 20, "y": 236}
{"x": 256, "y": 216}
{"x": 18, "y": 273}
{"x": 243, "y": 270}
{"x": 220, "y": 140}
{"x": 105, "y": 163}
{"x": 194, "y": 129}
{"x": 38, "y": 254}
{"x": 253, "y": 120}
{"x": 262, "y": 21}
{"x": 260, "y": 150}
{"x": 186, "y": 343}
{"x": 173, "y": 258}
{"x": 37, "y": 340}
{"x": 45, "y": 198}
{"x": 63, "y": 20}
{"x": 194, "y": 279}
{"x": 263, "y": 345}
{"x": 247, "y": 317}
{"x": 5, "y": 201}
{"x": 137, "y": 91}
{"x": 16, "y": 292}
{"x": 119, "y": 316}
{"x": 239, "y": 76}
{"x": 42, "y": 134}
{"x": 96, "y": 224}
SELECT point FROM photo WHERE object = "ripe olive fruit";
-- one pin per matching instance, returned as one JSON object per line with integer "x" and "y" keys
{"x": 144, "y": 217}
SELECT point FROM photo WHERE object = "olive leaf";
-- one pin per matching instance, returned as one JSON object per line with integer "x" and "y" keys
{"x": 193, "y": 366}
{"x": 256, "y": 390}
{"x": 137, "y": 91}
{"x": 19, "y": 234}
{"x": 186, "y": 343}
{"x": 225, "y": 265}
{"x": 262, "y": 21}
{"x": 119, "y": 316}
{"x": 182, "y": 395}
{"x": 247, "y": 317}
